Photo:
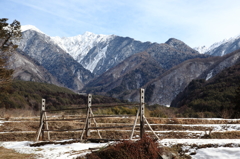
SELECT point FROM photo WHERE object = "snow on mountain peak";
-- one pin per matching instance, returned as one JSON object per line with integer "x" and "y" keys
{"x": 78, "y": 46}
{"x": 30, "y": 27}
{"x": 201, "y": 49}
{"x": 87, "y": 33}
{"x": 204, "y": 49}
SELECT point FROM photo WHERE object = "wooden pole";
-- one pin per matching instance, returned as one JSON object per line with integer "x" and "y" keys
{"x": 45, "y": 118}
{"x": 87, "y": 122}
{"x": 88, "y": 133}
{"x": 40, "y": 127}
{"x": 142, "y": 105}
{"x": 134, "y": 125}
{"x": 95, "y": 122}
{"x": 150, "y": 127}
{"x": 40, "y": 130}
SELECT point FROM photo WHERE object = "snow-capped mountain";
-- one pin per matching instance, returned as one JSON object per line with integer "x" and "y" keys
{"x": 141, "y": 68}
{"x": 30, "y": 27}
{"x": 95, "y": 52}
{"x": 222, "y": 47}
{"x": 98, "y": 53}
{"x": 61, "y": 65}
{"x": 201, "y": 49}
{"x": 79, "y": 46}
{"x": 117, "y": 66}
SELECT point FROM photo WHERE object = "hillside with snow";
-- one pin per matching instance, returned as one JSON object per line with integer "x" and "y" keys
{"x": 222, "y": 47}
{"x": 79, "y": 46}
{"x": 30, "y": 27}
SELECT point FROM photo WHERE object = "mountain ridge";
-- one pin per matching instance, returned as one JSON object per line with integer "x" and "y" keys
{"x": 59, "y": 63}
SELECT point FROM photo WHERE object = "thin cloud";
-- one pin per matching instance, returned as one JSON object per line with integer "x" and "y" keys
{"x": 194, "y": 22}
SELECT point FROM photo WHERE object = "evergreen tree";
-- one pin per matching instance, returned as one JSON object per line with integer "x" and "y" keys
{"x": 8, "y": 34}
{"x": 236, "y": 101}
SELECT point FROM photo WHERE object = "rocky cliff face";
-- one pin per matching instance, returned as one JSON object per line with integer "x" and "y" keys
{"x": 27, "y": 69}
{"x": 60, "y": 64}
{"x": 108, "y": 55}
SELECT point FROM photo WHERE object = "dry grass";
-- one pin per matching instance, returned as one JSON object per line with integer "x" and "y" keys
{"x": 5, "y": 113}
{"x": 191, "y": 121}
{"x": 19, "y": 126}
{"x": 11, "y": 154}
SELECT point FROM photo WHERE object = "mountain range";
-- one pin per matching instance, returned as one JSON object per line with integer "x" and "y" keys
{"x": 118, "y": 66}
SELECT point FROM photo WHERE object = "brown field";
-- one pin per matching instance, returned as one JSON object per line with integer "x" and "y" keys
{"x": 24, "y": 128}
{"x": 11, "y": 154}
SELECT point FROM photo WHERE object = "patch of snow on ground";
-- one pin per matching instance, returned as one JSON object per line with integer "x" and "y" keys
{"x": 57, "y": 151}
{"x": 214, "y": 127}
{"x": 207, "y": 153}
{"x": 52, "y": 151}
{"x": 218, "y": 153}
{"x": 169, "y": 142}
{"x": 1, "y": 122}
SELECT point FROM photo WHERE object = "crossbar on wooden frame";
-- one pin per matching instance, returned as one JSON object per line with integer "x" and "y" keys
{"x": 90, "y": 116}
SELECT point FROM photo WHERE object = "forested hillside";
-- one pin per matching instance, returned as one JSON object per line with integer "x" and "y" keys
{"x": 28, "y": 95}
{"x": 217, "y": 97}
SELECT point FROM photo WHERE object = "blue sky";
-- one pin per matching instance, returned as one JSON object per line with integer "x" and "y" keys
{"x": 195, "y": 22}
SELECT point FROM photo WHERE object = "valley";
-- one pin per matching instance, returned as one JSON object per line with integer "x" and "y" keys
{"x": 200, "y": 85}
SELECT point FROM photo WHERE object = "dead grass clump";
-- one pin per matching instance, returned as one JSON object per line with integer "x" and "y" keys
{"x": 208, "y": 134}
{"x": 145, "y": 148}
{"x": 7, "y": 117}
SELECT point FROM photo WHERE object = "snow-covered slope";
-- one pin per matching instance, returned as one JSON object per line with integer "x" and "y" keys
{"x": 98, "y": 53}
{"x": 222, "y": 47}
{"x": 201, "y": 49}
{"x": 30, "y": 27}
{"x": 95, "y": 52}
{"x": 79, "y": 46}
{"x": 60, "y": 64}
